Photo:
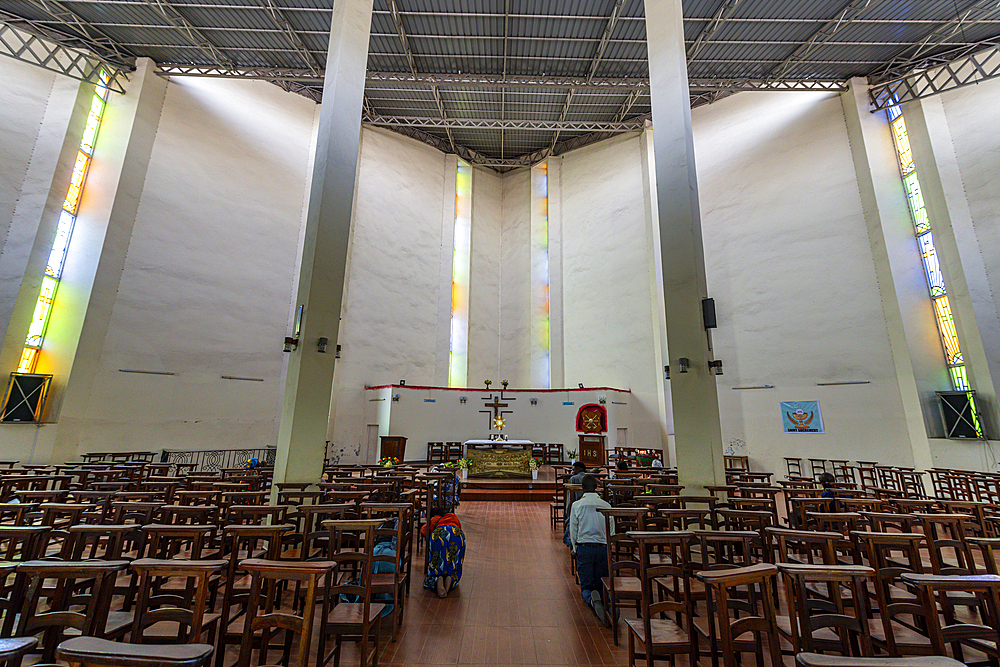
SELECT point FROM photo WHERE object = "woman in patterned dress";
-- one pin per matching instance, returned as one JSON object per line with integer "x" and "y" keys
{"x": 446, "y": 552}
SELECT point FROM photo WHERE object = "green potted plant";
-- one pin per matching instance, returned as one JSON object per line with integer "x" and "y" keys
{"x": 463, "y": 464}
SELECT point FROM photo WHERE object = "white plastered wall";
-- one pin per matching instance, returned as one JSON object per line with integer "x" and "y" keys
{"x": 209, "y": 272}
{"x": 26, "y": 94}
{"x": 791, "y": 271}
{"x": 608, "y": 328}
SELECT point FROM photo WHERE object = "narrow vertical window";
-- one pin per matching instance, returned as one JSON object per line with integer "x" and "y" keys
{"x": 932, "y": 268}
{"x": 458, "y": 360}
{"x": 67, "y": 218}
{"x": 540, "y": 362}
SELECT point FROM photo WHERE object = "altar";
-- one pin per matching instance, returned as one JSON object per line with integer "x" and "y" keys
{"x": 507, "y": 458}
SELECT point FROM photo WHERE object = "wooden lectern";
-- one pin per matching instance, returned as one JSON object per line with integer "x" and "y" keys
{"x": 393, "y": 445}
{"x": 592, "y": 450}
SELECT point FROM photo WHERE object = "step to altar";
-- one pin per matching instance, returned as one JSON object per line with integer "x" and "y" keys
{"x": 516, "y": 489}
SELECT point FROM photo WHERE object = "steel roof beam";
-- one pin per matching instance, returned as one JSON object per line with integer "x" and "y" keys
{"x": 910, "y": 57}
{"x": 281, "y": 21}
{"x": 19, "y": 40}
{"x": 950, "y": 76}
{"x": 193, "y": 35}
{"x": 827, "y": 32}
{"x": 93, "y": 37}
{"x": 508, "y": 124}
{"x": 725, "y": 10}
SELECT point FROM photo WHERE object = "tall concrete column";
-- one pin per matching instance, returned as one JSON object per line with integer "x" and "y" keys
{"x": 694, "y": 397}
{"x": 909, "y": 316}
{"x": 655, "y": 272}
{"x": 26, "y": 248}
{"x": 309, "y": 383}
{"x": 958, "y": 246}
{"x": 96, "y": 256}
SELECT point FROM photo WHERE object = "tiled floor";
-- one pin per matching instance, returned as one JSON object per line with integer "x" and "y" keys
{"x": 517, "y": 603}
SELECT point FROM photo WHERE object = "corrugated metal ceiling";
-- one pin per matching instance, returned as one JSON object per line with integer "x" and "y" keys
{"x": 529, "y": 38}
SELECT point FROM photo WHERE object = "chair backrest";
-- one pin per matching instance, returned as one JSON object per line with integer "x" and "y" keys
{"x": 68, "y": 605}
{"x": 743, "y": 600}
{"x": 986, "y": 589}
{"x": 262, "y": 615}
{"x": 167, "y": 541}
{"x": 811, "y": 611}
{"x": 671, "y": 549}
{"x": 104, "y": 542}
{"x": 186, "y": 606}
{"x": 806, "y": 546}
{"x": 94, "y": 652}
{"x": 944, "y": 533}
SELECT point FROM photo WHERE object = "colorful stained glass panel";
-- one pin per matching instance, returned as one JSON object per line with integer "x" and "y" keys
{"x": 57, "y": 256}
{"x": 959, "y": 380}
{"x": 36, "y": 330}
{"x": 916, "y": 201}
{"x": 28, "y": 358}
{"x": 934, "y": 277}
{"x": 946, "y": 324}
{"x": 903, "y": 150}
{"x": 76, "y": 184}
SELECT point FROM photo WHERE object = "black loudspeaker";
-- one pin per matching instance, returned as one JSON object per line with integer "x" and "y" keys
{"x": 708, "y": 313}
{"x": 25, "y": 398}
{"x": 961, "y": 419}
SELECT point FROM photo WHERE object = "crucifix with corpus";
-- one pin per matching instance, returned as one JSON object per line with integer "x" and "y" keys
{"x": 497, "y": 421}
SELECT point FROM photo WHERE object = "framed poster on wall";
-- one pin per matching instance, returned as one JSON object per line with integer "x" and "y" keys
{"x": 801, "y": 417}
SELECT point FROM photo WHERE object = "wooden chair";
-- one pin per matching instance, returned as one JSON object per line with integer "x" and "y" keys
{"x": 243, "y": 542}
{"x": 554, "y": 452}
{"x": 12, "y": 649}
{"x": 983, "y": 637}
{"x": 818, "y": 620}
{"x": 93, "y": 652}
{"x": 396, "y": 527}
{"x": 454, "y": 451}
{"x": 820, "y": 660}
{"x": 352, "y": 554}
{"x": 70, "y": 605}
{"x": 740, "y": 601}
{"x": 264, "y": 618}
{"x": 903, "y": 626}
{"x": 186, "y": 607}
{"x": 662, "y": 558}
{"x": 436, "y": 452}
{"x": 622, "y": 583}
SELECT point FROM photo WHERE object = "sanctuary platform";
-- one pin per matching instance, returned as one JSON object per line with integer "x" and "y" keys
{"x": 512, "y": 489}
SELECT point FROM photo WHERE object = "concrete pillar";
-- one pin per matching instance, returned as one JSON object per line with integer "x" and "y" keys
{"x": 694, "y": 397}
{"x": 81, "y": 312}
{"x": 909, "y": 316}
{"x": 309, "y": 382}
{"x": 958, "y": 246}
{"x": 32, "y": 231}
{"x": 656, "y": 292}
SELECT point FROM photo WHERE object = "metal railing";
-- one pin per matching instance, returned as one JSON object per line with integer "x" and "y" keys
{"x": 209, "y": 460}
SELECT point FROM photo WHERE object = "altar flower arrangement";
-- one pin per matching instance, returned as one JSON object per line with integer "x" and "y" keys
{"x": 388, "y": 461}
{"x": 463, "y": 464}
{"x": 533, "y": 464}
{"x": 571, "y": 454}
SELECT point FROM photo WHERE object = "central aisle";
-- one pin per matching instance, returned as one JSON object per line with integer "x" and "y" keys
{"x": 517, "y": 603}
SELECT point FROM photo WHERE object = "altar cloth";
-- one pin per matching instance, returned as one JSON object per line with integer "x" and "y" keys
{"x": 499, "y": 462}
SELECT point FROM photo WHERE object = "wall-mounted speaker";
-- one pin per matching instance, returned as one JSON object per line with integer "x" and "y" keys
{"x": 708, "y": 313}
{"x": 959, "y": 414}
{"x": 25, "y": 398}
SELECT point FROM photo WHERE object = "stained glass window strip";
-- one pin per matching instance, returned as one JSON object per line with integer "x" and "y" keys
{"x": 458, "y": 364}
{"x": 64, "y": 230}
{"x": 540, "y": 272}
{"x": 928, "y": 253}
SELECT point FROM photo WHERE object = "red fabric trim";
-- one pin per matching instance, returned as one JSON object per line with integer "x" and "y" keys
{"x": 486, "y": 391}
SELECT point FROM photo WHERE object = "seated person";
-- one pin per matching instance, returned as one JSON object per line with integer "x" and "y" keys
{"x": 621, "y": 466}
{"x": 590, "y": 540}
